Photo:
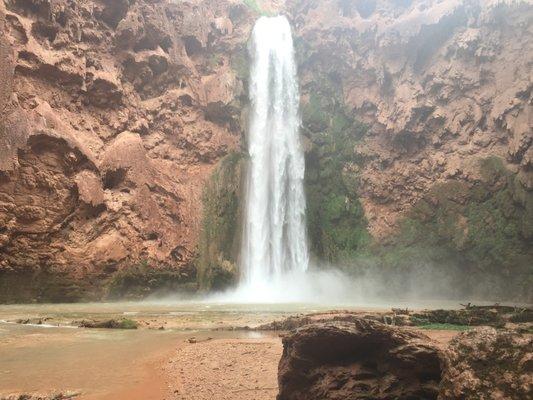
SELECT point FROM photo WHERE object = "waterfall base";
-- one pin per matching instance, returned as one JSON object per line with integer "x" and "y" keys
{"x": 324, "y": 287}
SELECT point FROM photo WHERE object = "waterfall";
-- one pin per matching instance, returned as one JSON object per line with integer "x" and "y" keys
{"x": 274, "y": 237}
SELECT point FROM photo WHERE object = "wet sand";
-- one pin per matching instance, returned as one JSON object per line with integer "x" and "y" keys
{"x": 138, "y": 365}
{"x": 225, "y": 369}
{"x": 235, "y": 369}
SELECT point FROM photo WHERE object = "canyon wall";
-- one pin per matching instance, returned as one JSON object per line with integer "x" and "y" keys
{"x": 417, "y": 119}
{"x": 116, "y": 115}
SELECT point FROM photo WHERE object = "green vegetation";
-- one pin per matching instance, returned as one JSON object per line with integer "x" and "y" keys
{"x": 42, "y": 287}
{"x": 127, "y": 324}
{"x": 336, "y": 222}
{"x": 482, "y": 228}
{"x": 214, "y": 60}
{"x": 240, "y": 64}
{"x": 474, "y": 234}
{"x": 252, "y": 4}
{"x": 466, "y": 232}
{"x": 445, "y": 327}
{"x": 109, "y": 324}
{"x": 255, "y": 7}
{"x": 143, "y": 279}
{"x": 219, "y": 239}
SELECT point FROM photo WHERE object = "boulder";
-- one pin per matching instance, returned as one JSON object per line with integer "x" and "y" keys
{"x": 365, "y": 359}
{"x": 359, "y": 360}
{"x": 488, "y": 364}
{"x": 89, "y": 188}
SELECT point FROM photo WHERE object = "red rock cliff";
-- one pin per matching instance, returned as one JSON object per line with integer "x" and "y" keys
{"x": 114, "y": 113}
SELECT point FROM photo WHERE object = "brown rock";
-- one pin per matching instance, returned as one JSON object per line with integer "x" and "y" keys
{"x": 431, "y": 79}
{"x": 87, "y": 71}
{"x": 6, "y": 68}
{"x": 488, "y": 364}
{"x": 114, "y": 11}
{"x": 359, "y": 360}
{"x": 105, "y": 148}
{"x": 103, "y": 90}
{"x": 89, "y": 188}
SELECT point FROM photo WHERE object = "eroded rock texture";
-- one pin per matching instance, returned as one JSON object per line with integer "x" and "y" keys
{"x": 488, "y": 364}
{"x": 368, "y": 360}
{"x": 424, "y": 107}
{"x": 440, "y": 85}
{"x": 359, "y": 360}
{"x": 114, "y": 113}
{"x": 416, "y": 124}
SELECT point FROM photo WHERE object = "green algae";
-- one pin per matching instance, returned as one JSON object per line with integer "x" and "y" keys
{"x": 252, "y": 4}
{"x": 42, "y": 286}
{"x": 336, "y": 223}
{"x": 145, "y": 278}
{"x": 219, "y": 236}
{"x": 476, "y": 230}
{"x": 479, "y": 229}
{"x": 240, "y": 64}
{"x": 256, "y": 8}
{"x": 445, "y": 327}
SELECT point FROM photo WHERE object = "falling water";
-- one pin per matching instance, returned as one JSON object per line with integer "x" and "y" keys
{"x": 274, "y": 242}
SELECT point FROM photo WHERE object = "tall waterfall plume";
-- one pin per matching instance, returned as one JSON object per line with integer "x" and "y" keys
{"x": 274, "y": 237}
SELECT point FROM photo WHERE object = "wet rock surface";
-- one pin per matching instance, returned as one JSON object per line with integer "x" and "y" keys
{"x": 359, "y": 360}
{"x": 486, "y": 363}
{"x": 366, "y": 359}
{"x": 114, "y": 114}
{"x": 433, "y": 83}
{"x": 107, "y": 324}
{"x": 418, "y": 142}
{"x": 470, "y": 316}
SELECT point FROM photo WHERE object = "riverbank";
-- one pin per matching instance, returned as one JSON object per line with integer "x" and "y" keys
{"x": 236, "y": 369}
{"x": 225, "y": 369}
{"x": 104, "y": 365}
{"x": 179, "y": 351}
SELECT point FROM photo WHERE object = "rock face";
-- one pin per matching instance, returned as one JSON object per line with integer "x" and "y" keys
{"x": 360, "y": 360}
{"x": 369, "y": 360}
{"x": 425, "y": 109}
{"x": 439, "y": 84}
{"x": 487, "y": 363}
{"x": 114, "y": 114}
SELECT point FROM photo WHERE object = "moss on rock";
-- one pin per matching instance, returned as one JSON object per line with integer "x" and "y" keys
{"x": 144, "y": 279}
{"x": 219, "y": 237}
{"x": 337, "y": 226}
{"x": 468, "y": 232}
{"x": 256, "y": 7}
{"x": 477, "y": 231}
{"x": 123, "y": 323}
{"x": 42, "y": 286}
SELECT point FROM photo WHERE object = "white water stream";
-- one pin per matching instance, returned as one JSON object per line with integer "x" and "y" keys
{"x": 274, "y": 255}
{"x": 274, "y": 238}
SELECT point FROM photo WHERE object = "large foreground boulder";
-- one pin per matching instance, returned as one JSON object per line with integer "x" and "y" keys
{"x": 358, "y": 360}
{"x": 366, "y": 359}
